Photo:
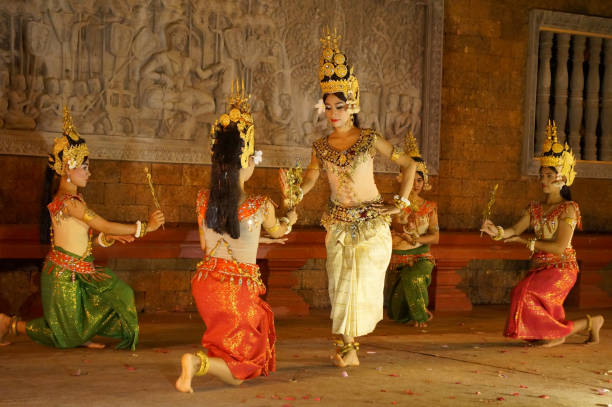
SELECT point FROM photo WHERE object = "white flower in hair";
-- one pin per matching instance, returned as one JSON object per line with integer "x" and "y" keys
{"x": 320, "y": 106}
{"x": 72, "y": 163}
{"x": 258, "y": 157}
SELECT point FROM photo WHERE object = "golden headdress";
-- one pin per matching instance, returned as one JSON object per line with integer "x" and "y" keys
{"x": 240, "y": 115}
{"x": 69, "y": 149}
{"x": 557, "y": 155}
{"x": 411, "y": 148}
{"x": 335, "y": 74}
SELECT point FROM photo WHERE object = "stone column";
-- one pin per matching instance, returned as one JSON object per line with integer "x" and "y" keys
{"x": 606, "y": 104}
{"x": 591, "y": 108}
{"x": 576, "y": 90}
{"x": 561, "y": 82}
{"x": 543, "y": 92}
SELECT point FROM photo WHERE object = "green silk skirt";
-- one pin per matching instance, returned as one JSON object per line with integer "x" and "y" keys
{"x": 77, "y": 307}
{"x": 408, "y": 298}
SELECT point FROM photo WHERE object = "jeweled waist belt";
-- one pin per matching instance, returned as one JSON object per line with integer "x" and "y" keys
{"x": 545, "y": 259}
{"x": 400, "y": 259}
{"x": 366, "y": 211}
{"x": 71, "y": 263}
{"x": 226, "y": 269}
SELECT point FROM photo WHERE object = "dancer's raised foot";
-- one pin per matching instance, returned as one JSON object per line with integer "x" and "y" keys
{"x": 596, "y": 324}
{"x": 5, "y": 327}
{"x": 93, "y": 345}
{"x": 189, "y": 364}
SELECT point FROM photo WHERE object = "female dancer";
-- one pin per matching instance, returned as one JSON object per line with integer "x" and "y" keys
{"x": 413, "y": 230}
{"x": 239, "y": 332}
{"x": 79, "y": 300}
{"x": 358, "y": 238}
{"x": 536, "y": 310}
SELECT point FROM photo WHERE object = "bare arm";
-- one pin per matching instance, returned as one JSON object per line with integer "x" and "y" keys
{"x": 433, "y": 232}
{"x": 312, "y": 174}
{"x": 79, "y": 210}
{"x": 518, "y": 228}
{"x": 565, "y": 232}
{"x": 406, "y": 163}
{"x": 273, "y": 226}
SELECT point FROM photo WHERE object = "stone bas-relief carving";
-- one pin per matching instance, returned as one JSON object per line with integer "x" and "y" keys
{"x": 145, "y": 79}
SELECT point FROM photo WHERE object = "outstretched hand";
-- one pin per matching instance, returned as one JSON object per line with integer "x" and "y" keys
{"x": 269, "y": 240}
{"x": 155, "y": 221}
{"x": 489, "y": 228}
{"x": 121, "y": 238}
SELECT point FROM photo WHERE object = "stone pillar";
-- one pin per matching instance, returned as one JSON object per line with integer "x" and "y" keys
{"x": 543, "y": 92}
{"x": 576, "y": 90}
{"x": 591, "y": 108}
{"x": 606, "y": 104}
{"x": 561, "y": 82}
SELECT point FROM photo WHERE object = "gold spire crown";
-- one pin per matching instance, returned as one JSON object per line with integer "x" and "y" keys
{"x": 69, "y": 149}
{"x": 411, "y": 147}
{"x": 335, "y": 74}
{"x": 557, "y": 155}
{"x": 240, "y": 114}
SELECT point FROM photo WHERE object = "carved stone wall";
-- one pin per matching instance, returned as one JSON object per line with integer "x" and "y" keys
{"x": 145, "y": 79}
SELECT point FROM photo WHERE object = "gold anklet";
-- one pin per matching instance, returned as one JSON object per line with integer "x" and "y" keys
{"x": 589, "y": 323}
{"x": 204, "y": 363}
{"x": 13, "y": 329}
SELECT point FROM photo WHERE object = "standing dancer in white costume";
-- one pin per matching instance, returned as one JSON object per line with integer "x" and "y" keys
{"x": 358, "y": 238}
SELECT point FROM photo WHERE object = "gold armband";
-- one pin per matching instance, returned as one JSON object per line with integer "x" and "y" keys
{"x": 89, "y": 215}
{"x": 396, "y": 153}
{"x": 570, "y": 221}
{"x": 312, "y": 166}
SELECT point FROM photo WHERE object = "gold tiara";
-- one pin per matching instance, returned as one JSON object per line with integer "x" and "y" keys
{"x": 335, "y": 74}
{"x": 557, "y": 155}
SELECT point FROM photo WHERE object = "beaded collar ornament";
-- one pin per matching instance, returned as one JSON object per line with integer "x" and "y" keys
{"x": 555, "y": 154}
{"x": 240, "y": 114}
{"x": 335, "y": 74}
{"x": 66, "y": 153}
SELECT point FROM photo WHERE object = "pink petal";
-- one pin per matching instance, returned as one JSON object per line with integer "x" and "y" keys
{"x": 260, "y": 396}
{"x": 129, "y": 367}
{"x": 478, "y": 393}
{"x": 522, "y": 386}
{"x": 394, "y": 375}
{"x": 408, "y": 392}
{"x": 500, "y": 399}
{"x": 544, "y": 396}
{"x": 317, "y": 399}
{"x": 289, "y": 398}
{"x": 161, "y": 350}
{"x": 515, "y": 394}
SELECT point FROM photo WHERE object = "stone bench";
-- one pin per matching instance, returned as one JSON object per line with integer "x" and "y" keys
{"x": 278, "y": 262}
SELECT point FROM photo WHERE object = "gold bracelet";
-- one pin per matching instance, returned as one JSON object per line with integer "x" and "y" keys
{"x": 500, "y": 233}
{"x": 143, "y": 230}
{"x": 287, "y": 223}
{"x": 105, "y": 242}
{"x": 204, "y": 364}
{"x": 274, "y": 228}
{"x": 89, "y": 215}
{"x": 531, "y": 244}
{"x": 396, "y": 153}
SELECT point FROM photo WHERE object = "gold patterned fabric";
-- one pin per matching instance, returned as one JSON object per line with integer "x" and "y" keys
{"x": 358, "y": 254}
{"x": 77, "y": 307}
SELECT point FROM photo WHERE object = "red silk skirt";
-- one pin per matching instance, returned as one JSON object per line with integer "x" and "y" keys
{"x": 239, "y": 324}
{"x": 536, "y": 309}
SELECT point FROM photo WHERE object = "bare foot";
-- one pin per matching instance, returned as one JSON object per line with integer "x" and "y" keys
{"x": 553, "y": 342}
{"x": 5, "y": 325}
{"x": 596, "y": 324}
{"x": 189, "y": 364}
{"x": 93, "y": 345}
{"x": 420, "y": 325}
{"x": 351, "y": 359}
{"x": 337, "y": 360}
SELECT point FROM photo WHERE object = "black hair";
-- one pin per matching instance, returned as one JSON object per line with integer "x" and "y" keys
{"x": 222, "y": 210}
{"x": 50, "y": 187}
{"x": 565, "y": 192}
{"x": 419, "y": 160}
{"x": 341, "y": 96}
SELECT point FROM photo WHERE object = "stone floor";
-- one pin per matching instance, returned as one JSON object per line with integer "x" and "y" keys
{"x": 460, "y": 360}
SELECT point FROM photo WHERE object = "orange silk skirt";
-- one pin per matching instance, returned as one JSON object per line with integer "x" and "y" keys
{"x": 239, "y": 324}
{"x": 536, "y": 309}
